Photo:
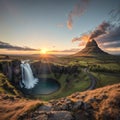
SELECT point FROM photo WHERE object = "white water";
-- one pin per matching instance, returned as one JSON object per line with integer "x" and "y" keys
{"x": 28, "y": 80}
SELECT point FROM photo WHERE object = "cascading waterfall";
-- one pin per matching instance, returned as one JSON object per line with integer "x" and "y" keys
{"x": 28, "y": 81}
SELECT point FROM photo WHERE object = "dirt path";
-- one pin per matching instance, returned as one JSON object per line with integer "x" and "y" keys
{"x": 92, "y": 78}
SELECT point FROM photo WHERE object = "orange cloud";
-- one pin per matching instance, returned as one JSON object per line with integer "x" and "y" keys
{"x": 84, "y": 38}
{"x": 78, "y": 10}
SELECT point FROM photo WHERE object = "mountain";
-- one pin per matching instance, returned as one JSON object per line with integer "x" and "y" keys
{"x": 91, "y": 49}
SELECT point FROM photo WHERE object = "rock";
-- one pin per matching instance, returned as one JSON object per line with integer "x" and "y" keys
{"x": 79, "y": 115}
{"x": 6, "y": 97}
{"x": 87, "y": 114}
{"x": 9, "y": 97}
{"x": 60, "y": 115}
{"x": 41, "y": 117}
{"x": 92, "y": 100}
{"x": 105, "y": 96}
{"x": 62, "y": 100}
{"x": 83, "y": 96}
{"x": 18, "y": 96}
{"x": 64, "y": 107}
{"x": 87, "y": 106}
{"x": 45, "y": 108}
{"x": 73, "y": 96}
{"x": 77, "y": 105}
{"x": 78, "y": 97}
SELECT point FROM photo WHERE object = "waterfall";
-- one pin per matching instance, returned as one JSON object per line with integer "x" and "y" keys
{"x": 28, "y": 81}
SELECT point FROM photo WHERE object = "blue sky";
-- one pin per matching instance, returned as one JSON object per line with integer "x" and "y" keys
{"x": 40, "y": 24}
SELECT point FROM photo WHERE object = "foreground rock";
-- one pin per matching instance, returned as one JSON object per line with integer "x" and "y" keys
{"x": 99, "y": 104}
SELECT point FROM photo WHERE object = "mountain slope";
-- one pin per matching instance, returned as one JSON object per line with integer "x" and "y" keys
{"x": 91, "y": 49}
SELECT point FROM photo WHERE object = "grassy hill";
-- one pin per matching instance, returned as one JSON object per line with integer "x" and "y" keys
{"x": 99, "y": 104}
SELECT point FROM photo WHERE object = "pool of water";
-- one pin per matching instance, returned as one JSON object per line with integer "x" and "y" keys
{"x": 43, "y": 87}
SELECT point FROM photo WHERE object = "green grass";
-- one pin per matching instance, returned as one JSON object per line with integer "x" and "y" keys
{"x": 6, "y": 87}
{"x": 80, "y": 83}
{"x": 106, "y": 79}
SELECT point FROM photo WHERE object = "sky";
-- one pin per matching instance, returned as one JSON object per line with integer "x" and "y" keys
{"x": 58, "y": 26}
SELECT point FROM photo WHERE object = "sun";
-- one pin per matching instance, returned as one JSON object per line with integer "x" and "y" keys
{"x": 43, "y": 51}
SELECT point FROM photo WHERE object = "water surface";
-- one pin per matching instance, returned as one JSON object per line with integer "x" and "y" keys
{"x": 43, "y": 86}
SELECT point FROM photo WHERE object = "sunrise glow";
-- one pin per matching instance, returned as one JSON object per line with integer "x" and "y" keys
{"x": 44, "y": 51}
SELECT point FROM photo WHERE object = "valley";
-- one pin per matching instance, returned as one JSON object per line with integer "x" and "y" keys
{"x": 73, "y": 73}
{"x": 60, "y": 86}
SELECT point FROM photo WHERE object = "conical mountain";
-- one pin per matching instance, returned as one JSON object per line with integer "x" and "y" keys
{"x": 91, "y": 49}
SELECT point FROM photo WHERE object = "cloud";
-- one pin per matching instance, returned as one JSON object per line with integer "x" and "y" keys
{"x": 76, "y": 39}
{"x": 115, "y": 15}
{"x": 111, "y": 44}
{"x": 78, "y": 10}
{"x": 106, "y": 34}
{"x": 100, "y": 30}
{"x": 64, "y": 51}
{"x": 84, "y": 38}
{"x": 111, "y": 38}
{"x": 71, "y": 50}
{"x": 4, "y": 45}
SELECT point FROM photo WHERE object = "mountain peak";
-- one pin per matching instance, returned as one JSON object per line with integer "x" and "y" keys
{"x": 91, "y": 49}
{"x": 91, "y": 43}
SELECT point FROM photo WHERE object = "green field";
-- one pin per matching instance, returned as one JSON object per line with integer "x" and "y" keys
{"x": 80, "y": 83}
{"x": 106, "y": 71}
{"x": 106, "y": 79}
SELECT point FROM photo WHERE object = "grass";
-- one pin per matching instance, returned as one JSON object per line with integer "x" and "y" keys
{"x": 106, "y": 79}
{"x": 76, "y": 83}
{"x": 14, "y": 110}
{"x": 6, "y": 87}
{"x": 79, "y": 83}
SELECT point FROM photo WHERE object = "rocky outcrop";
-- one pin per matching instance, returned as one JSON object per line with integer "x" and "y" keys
{"x": 41, "y": 68}
{"x": 12, "y": 70}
